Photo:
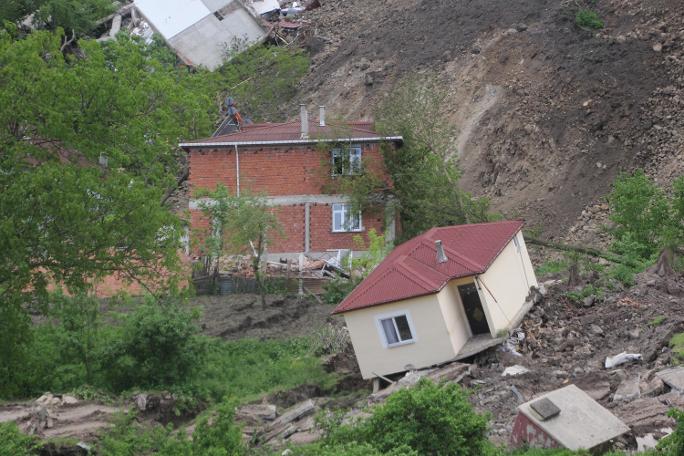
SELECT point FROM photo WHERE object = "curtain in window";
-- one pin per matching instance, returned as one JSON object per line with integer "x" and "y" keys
{"x": 390, "y": 332}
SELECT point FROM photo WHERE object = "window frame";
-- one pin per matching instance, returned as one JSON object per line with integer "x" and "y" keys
{"x": 348, "y": 167}
{"x": 393, "y": 315}
{"x": 345, "y": 217}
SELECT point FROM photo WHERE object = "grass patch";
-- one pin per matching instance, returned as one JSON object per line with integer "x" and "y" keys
{"x": 587, "y": 291}
{"x": 588, "y": 19}
{"x": 657, "y": 321}
{"x": 246, "y": 369}
{"x": 677, "y": 346}
{"x": 551, "y": 268}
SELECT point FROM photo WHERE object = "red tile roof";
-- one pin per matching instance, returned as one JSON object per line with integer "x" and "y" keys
{"x": 412, "y": 270}
{"x": 266, "y": 133}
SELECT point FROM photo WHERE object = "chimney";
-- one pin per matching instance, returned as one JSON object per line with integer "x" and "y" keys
{"x": 304, "y": 120}
{"x": 321, "y": 116}
{"x": 441, "y": 256}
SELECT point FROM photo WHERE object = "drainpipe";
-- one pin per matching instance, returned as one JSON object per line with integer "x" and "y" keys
{"x": 304, "y": 121}
{"x": 237, "y": 170}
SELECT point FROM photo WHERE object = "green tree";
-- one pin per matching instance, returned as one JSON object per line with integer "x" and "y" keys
{"x": 238, "y": 224}
{"x": 74, "y": 16}
{"x": 424, "y": 171}
{"x": 647, "y": 221}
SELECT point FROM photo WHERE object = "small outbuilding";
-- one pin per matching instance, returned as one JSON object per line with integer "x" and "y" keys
{"x": 566, "y": 418}
{"x": 444, "y": 295}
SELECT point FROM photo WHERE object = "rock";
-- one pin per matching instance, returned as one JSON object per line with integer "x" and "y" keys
{"x": 674, "y": 378}
{"x": 521, "y": 27}
{"x": 634, "y": 333}
{"x": 596, "y": 330}
{"x": 452, "y": 373}
{"x": 69, "y": 400}
{"x": 368, "y": 79}
{"x": 140, "y": 401}
{"x": 672, "y": 399}
{"x": 589, "y": 301}
{"x": 305, "y": 437}
{"x": 658, "y": 47}
{"x": 628, "y": 390}
{"x": 644, "y": 415}
{"x": 652, "y": 388}
{"x": 515, "y": 370}
{"x": 598, "y": 391}
{"x": 256, "y": 413}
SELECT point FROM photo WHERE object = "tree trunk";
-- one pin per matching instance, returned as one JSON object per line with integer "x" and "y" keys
{"x": 256, "y": 265}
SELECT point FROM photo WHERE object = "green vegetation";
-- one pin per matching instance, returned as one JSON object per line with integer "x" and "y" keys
{"x": 657, "y": 321}
{"x": 89, "y": 143}
{"x": 156, "y": 346}
{"x": 551, "y": 268}
{"x": 424, "y": 171}
{"x": 589, "y": 19}
{"x": 239, "y": 223}
{"x": 14, "y": 442}
{"x": 677, "y": 346}
{"x": 75, "y": 16}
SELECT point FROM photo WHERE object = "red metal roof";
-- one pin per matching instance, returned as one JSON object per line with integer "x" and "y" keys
{"x": 291, "y": 131}
{"x": 412, "y": 270}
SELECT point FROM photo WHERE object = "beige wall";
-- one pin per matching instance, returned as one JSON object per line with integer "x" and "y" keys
{"x": 432, "y": 344}
{"x": 506, "y": 284}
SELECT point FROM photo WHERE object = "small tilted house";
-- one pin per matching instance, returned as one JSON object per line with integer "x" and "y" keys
{"x": 444, "y": 295}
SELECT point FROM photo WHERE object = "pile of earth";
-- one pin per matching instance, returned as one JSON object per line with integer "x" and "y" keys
{"x": 243, "y": 316}
{"x": 545, "y": 113}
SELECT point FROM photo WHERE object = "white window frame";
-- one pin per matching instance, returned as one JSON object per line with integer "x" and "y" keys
{"x": 393, "y": 315}
{"x": 352, "y": 161}
{"x": 344, "y": 209}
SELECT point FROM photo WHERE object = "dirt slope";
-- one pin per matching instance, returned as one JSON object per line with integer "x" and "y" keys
{"x": 546, "y": 113}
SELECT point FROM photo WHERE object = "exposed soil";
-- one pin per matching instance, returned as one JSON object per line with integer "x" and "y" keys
{"x": 547, "y": 113}
{"x": 568, "y": 342}
{"x": 241, "y": 316}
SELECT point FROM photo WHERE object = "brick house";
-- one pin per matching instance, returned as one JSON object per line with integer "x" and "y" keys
{"x": 298, "y": 167}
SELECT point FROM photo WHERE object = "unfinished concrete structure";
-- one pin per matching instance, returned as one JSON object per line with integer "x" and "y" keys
{"x": 203, "y": 32}
{"x": 444, "y": 295}
{"x": 566, "y": 418}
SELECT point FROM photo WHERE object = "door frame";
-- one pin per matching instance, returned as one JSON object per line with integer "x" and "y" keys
{"x": 485, "y": 307}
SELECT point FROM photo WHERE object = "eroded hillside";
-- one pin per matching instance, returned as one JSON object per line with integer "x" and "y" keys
{"x": 546, "y": 113}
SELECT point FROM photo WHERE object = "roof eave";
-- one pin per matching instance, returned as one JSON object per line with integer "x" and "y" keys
{"x": 282, "y": 142}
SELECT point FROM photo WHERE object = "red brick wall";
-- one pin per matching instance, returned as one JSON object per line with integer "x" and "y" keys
{"x": 272, "y": 171}
{"x": 292, "y": 218}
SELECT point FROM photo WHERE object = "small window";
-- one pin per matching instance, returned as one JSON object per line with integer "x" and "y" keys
{"x": 396, "y": 330}
{"x": 344, "y": 219}
{"x": 346, "y": 162}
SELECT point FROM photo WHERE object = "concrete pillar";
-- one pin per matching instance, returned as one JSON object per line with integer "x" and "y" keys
{"x": 307, "y": 227}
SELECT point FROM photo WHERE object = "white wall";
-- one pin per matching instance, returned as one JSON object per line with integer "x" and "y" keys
{"x": 506, "y": 284}
{"x": 433, "y": 344}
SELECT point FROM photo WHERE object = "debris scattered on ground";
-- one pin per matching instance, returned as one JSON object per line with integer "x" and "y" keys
{"x": 622, "y": 358}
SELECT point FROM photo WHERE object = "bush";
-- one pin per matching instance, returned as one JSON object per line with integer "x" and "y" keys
{"x": 160, "y": 346}
{"x": 13, "y": 442}
{"x": 588, "y": 19}
{"x": 429, "y": 419}
{"x": 349, "y": 449}
{"x": 217, "y": 434}
{"x": 337, "y": 289}
{"x": 331, "y": 339}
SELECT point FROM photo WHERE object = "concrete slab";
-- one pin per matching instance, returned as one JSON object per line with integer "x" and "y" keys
{"x": 582, "y": 422}
{"x": 674, "y": 378}
{"x": 477, "y": 344}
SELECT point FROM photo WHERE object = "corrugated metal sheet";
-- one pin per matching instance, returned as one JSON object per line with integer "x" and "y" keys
{"x": 412, "y": 270}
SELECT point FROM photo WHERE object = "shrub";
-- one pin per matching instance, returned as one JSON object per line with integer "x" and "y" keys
{"x": 429, "y": 419}
{"x": 588, "y": 19}
{"x": 160, "y": 345}
{"x": 331, "y": 339}
{"x": 673, "y": 444}
{"x": 551, "y": 267}
{"x": 14, "y": 442}
{"x": 217, "y": 434}
{"x": 349, "y": 449}
{"x": 677, "y": 346}
{"x": 337, "y": 289}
